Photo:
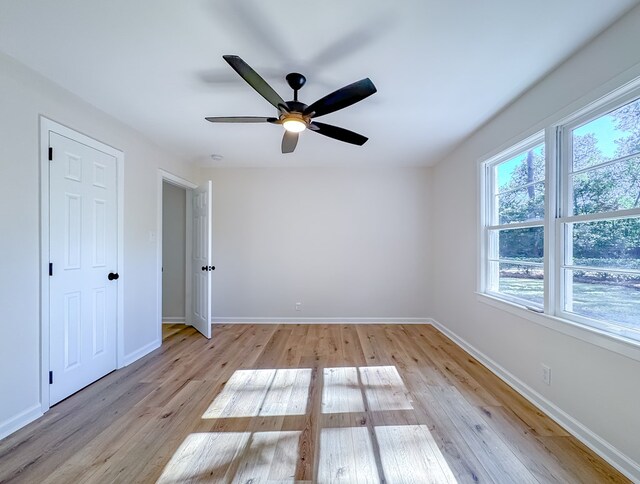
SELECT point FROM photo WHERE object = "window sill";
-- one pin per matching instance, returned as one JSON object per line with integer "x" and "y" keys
{"x": 623, "y": 346}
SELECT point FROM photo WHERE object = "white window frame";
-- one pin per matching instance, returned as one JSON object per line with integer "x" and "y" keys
{"x": 605, "y": 99}
{"x": 489, "y": 214}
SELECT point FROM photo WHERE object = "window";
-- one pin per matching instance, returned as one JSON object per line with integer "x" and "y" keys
{"x": 515, "y": 224}
{"x": 591, "y": 217}
{"x": 599, "y": 223}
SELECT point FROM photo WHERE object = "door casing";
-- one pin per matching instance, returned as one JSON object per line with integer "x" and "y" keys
{"x": 46, "y": 126}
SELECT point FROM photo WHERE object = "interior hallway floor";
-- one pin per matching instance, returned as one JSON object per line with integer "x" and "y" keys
{"x": 314, "y": 403}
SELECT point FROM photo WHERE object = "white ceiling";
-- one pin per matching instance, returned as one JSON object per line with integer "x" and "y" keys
{"x": 442, "y": 67}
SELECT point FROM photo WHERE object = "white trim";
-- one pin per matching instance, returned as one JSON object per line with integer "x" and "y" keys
{"x": 144, "y": 351}
{"x": 46, "y": 126}
{"x": 20, "y": 420}
{"x": 517, "y": 225}
{"x": 178, "y": 181}
{"x": 322, "y": 320}
{"x": 517, "y": 262}
{"x": 483, "y": 235}
{"x": 600, "y": 446}
{"x": 588, "y": 334}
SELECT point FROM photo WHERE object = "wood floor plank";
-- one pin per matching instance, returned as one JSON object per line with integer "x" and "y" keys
{"x": 300, "y": 403}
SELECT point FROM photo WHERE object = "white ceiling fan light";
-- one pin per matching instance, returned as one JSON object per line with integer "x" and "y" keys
{"x": 294, "y": 125}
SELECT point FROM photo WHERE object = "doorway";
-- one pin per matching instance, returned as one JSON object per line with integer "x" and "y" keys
{"x": 184, "y": 260}
{"x": 174, "y": 253}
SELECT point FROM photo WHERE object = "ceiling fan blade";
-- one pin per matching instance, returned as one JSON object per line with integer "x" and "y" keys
{"x": 289, "y": 142}
{"x": 240, "y": 119}
{"x": 254, "y": 80}
{"x": 340, "y": 134}
{"x": 341, "y": 98}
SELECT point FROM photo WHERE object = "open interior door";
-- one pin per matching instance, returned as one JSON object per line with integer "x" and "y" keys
{"x": 201, "y": 258}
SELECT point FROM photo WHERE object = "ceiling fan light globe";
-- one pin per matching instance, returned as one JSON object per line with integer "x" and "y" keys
{"x": 294, "y": 125}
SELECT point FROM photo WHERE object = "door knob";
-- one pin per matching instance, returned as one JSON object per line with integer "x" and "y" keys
{"x": 113, "y": 276}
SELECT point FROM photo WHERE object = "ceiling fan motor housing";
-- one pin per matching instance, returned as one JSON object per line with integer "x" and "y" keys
{"x": 296, "y": 106}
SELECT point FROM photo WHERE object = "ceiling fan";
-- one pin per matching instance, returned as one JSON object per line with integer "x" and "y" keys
{"x": 294, "y": 115}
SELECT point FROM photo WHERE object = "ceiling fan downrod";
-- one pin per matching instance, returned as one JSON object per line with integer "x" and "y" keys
{"x": 295, "y": 81}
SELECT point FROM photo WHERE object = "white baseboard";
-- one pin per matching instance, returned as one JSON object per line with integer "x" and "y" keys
{"x": 18, "y": 421}
{"x": 323, "y": 320}
{"x": 600, "y": 446}
{"x": 173, "y": 320}
{"x": 145, "y": 350}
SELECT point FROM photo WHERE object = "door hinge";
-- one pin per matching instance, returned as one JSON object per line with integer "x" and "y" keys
{"x": 50, "y": 268}
{"x": 50, "y": 153}
{"x": 50, "y": 378}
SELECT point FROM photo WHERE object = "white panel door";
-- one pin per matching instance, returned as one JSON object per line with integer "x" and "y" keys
{"x": 83, "y": 257}
{"x": 201, "y": 254}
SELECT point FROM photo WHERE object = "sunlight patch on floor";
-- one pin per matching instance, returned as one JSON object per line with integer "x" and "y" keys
{"x": 251, "y": 393}
{"x": 341, "y": 391}
{"x": 384, "y": 388}
{"x": 354, "y": 389}
{"x": 346, "y": 455}
{"x": 388, "y": 444}
{"x": 409, "y": 453}
{"x": 234, "y": 456}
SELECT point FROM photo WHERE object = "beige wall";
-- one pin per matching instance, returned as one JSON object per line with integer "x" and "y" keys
{"x": 346, "y": 243}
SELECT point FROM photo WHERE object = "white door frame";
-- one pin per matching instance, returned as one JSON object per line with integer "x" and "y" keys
{"x": 46, "y": 126}
{"x": 165, "y": 176}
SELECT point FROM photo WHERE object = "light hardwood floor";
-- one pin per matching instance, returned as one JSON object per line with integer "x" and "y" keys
{"x": 314, "y": 403}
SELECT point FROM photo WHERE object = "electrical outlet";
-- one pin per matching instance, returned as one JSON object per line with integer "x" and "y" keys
{"x": 298, "y": 306}
{"x": 546, "y": 374}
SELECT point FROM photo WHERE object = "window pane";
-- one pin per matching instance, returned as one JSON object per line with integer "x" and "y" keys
{"x": 606, "y": 243}
{"x": 609, "y": 188}
{"x": 525, "y": 245}
{"x": 522, "y": 205}
{"x": 523, "y": 168}
{"x": 608, "y": 137}
{"x": 524, "y": 282}
{"x": 605, "y": 296}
